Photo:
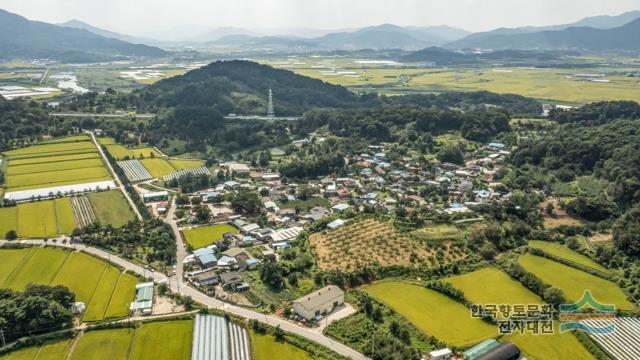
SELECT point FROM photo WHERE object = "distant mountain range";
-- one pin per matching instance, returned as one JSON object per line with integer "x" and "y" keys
{"x": 23, "y": 38}
{"x": 551, "y": 37}
{"x": 623, "y": 38}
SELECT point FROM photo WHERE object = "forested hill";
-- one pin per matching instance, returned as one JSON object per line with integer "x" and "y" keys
{"x": 242, "y": 87}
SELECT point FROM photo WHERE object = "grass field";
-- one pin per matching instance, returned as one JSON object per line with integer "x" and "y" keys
{"x": 150, "y": 341}
{"x": 110, "y": 207}
{"x": 492, "y": 286}
{"x": 206, "y": 235}
{"x": 441, "y": 232}
{"x": 265, "y": 347}
{"x": 564, "y": 252}
{"x": 120, "y": 152}
{"x": 158, "y": 167}
{"x": 92, "y": 280}
{"x": 170, "y": 340}
{"x": 103, "y": 345}
{"x": 574, "y": 282}
{"x": 433, "y": 313}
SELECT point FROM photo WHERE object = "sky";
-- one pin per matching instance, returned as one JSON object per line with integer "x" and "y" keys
{"x": 148, "y": 17}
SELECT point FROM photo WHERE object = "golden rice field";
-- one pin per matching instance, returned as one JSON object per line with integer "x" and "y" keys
{"x": 49, "y": 218}
{"x": 58, "y": 162}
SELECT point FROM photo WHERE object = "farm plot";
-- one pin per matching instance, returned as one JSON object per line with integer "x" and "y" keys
{"x": 120, "y": 152}
{"x": 47, "y": 218}
{"x": 432, "y": 313}
{"x": 8, "y": 220}
{"x": 55, "y": 158}
{"x": 210, "y": 338}
{"x": 41, "y": 168}
{"x": 207, "y": 235}
{"x": 564, "y": 252}
{"x": 166, "y": 340}
{"x": 158, "y": 167}
{"x": 82, "y": 211}
{"x": 103, "y": 288}
{"x": 623, "y": 342}
{"x": 110, "y": 207}
{"x": 134, "y": 171}
{"x": 67, "y": 139}
{"x": 103, "y": 345}
{"x": 182, "y": 164}
{"x": 195, "y": 172}
{"x": 151, "y": 343}
{"x": 50, "y": 150}
{"x": 265, "y": 347}
{"x": 370, "y": 242}
{"x": 492, "y": 286}
{"x": 56, "y": 178}
{"x": 574, "y": 282}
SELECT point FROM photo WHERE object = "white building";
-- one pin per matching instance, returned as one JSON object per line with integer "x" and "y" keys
{"x": 319, "y": 303}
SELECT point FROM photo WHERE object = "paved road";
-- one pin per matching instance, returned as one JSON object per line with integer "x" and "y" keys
{"x": 115, "y": 176}
{"x": 183, "y": 288}
{"x": 139, "y": 116}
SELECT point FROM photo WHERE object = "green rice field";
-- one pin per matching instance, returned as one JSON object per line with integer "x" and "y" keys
{"x": 103, "y": 288}
{"x": 186, "y": 164}
{"x": 158, "y": 167}
{"x": 564, "y": 252}
{"x": 207, "y": 235}
{"x": 574, "y": 282}
{"x": 265, "y": 347}
{"x": 492, "y": 286}
{"x": 166, "y": 340}
{"x": 48, "y": 218}
{"x": 442, "y": 232}
{"x": 432, "y": 313}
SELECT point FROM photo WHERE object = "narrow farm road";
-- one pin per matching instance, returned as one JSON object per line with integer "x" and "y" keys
{"x": 115, "y": 176}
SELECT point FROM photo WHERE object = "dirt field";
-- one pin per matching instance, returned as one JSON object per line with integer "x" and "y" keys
{"x": 559, "y": 216}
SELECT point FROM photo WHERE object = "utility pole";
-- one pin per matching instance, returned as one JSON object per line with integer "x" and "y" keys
{"x": 2, "y": 337}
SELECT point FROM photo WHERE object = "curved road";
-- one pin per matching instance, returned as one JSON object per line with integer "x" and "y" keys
{"x": 183, "y": 288}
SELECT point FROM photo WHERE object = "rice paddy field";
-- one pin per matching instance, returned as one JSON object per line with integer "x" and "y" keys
{"x": 47, "y": 218}
{"x": 492, "y": 286}
{"x": 167, "y": 340}
{"x": 105, "y": 290}
{"x": 206, "y": 235}
{"x": 574, "y": 282}
{"x": 546, "y": 84}
{"x": 265, "y": 347}
{"x": 180, "y": 164}
{"x": 120, "y": 152}
{"x": 57, "y": 162}
{"x": 110, "y": 207}
{"x": 432, "y": 313}
{"x": 158, "y": 167}
{"x": 564, "y": 252}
